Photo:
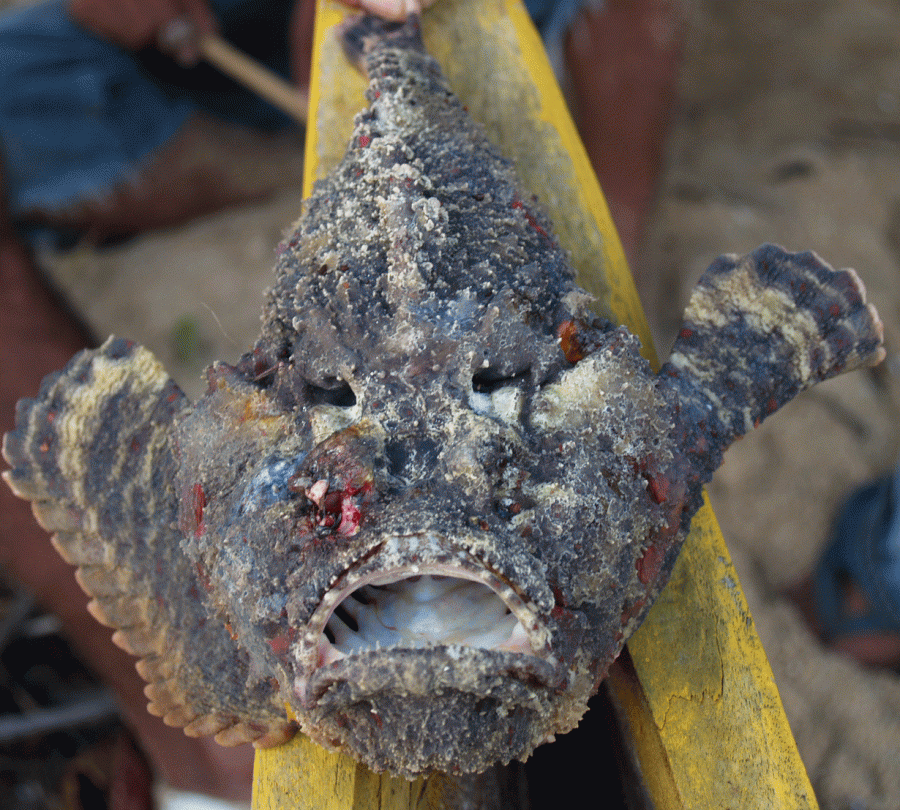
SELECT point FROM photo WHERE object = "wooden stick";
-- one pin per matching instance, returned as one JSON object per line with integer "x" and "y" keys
{"x": 255, "y": 76}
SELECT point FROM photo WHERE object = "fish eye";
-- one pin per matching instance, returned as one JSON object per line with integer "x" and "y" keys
{"x": 330, "y": 392}
{"x": 488, "y": 380}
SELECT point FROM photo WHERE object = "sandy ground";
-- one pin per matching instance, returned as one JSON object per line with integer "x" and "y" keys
{"x": 788, "y": 131}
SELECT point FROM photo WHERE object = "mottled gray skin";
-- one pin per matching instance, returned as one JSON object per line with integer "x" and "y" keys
{"x": 430, "y": 395}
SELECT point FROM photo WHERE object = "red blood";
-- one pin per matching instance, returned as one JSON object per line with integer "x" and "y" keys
{"x": 686, "y": 334}
{"x": 649, "y": 565}
{"x": 568, "y": 341}
{"x": 530, "y": 218}
{"x": 364, "y": 141}
{"x": 281, "y": 644}
{"x": 350, "y": 518}
{"x": 198, "y": 503}
{"x": 659, "y": 487}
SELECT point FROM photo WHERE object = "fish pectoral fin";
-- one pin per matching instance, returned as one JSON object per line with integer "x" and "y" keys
{"x": 93, "y": 453}
{"x": 758, "y": 330}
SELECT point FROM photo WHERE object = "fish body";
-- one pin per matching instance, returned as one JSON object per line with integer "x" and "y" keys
{"x": 429, "y": 506}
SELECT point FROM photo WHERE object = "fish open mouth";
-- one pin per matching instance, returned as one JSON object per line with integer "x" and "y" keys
{"x": 455, "y": 602}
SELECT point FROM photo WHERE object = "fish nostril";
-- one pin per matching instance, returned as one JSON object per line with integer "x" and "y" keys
{"x": 397, "y": 456}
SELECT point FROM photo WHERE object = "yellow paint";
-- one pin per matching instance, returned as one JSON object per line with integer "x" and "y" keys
{"x": 709, "y": 689}
{"x": 301, "y": 774}
{"x": 700, "y": 704}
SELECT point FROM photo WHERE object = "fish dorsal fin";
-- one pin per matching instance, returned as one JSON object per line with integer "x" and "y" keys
{"x": 94, "y": 454}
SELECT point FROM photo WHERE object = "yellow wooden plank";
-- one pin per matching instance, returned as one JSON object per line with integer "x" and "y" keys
{"x": 302, "y": 775}
{"x": 710, "y": 690}
{"x": 702, "y": 708}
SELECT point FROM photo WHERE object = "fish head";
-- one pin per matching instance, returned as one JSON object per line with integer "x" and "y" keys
{"x": 433, "y": 542}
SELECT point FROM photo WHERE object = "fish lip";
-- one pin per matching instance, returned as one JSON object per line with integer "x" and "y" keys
{"x": 528, "y": 679}
{"x": 429, "y": 554}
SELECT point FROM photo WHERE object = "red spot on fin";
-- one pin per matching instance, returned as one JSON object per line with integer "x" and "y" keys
{"x": 632, "y": 610}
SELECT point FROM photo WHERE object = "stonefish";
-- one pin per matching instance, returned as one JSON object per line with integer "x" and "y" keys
{"x": 428, "y": 508}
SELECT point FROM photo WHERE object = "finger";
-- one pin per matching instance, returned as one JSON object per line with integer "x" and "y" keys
{"x": 145, "y": 18}
{"x": 397, "y": 10}
{"x": 178, "y": 39}
{"x": 201, "y": 15}
{"x": 121, "y": 25}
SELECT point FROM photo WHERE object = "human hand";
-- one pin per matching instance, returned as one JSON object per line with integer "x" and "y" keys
{"x": 135, "y": 24}
{"x": 390, "y": 9}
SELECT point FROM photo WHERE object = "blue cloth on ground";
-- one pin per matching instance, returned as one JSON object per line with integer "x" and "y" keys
{"x": 78, "y": 115}
{"x": 864, "y": 548}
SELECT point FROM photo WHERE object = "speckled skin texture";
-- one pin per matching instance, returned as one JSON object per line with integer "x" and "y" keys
{"x": 430, "y": 396}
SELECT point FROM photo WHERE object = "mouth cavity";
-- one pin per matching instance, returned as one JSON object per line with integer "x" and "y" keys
{"x": 420, "y": 606}
{"x": 422, "y": 611}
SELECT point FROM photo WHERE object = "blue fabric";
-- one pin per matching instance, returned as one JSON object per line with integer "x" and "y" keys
{"x": 553, "y": 18}
{"x": 864, "y": 548}
{"x": 78, "y": 115}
